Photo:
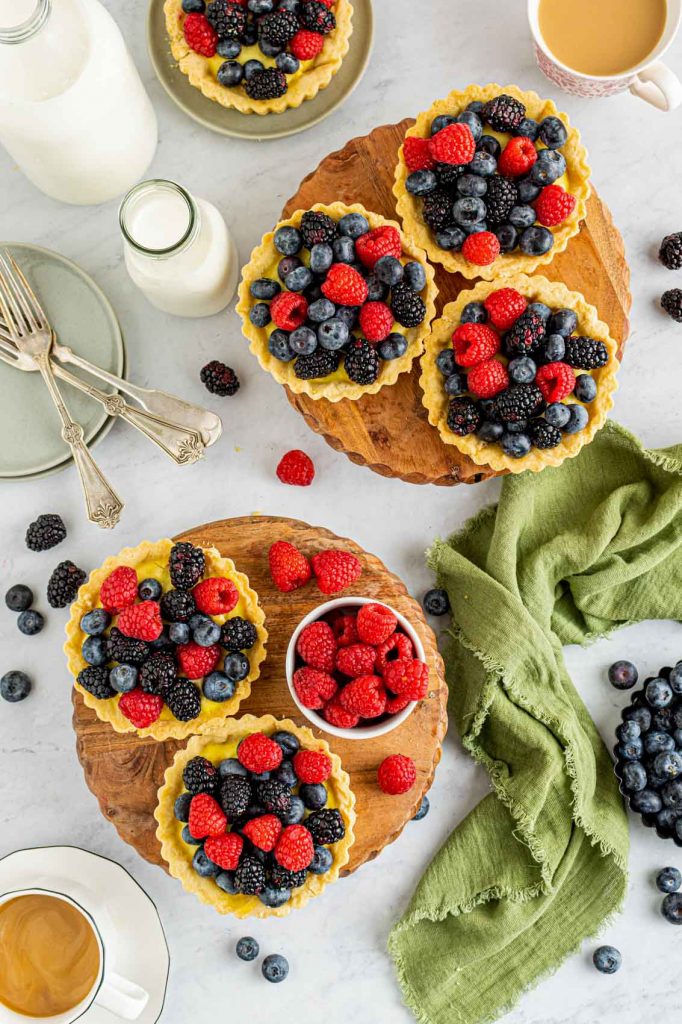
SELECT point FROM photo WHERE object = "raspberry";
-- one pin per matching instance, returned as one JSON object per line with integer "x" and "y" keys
{"x": 263, "y": 832}
{"x": 344, "y": 285}
{"x": 295, "y": 849}
{"x": 381, "y": 241}
{"x": 313, "y": 688}
{"x": 317, "y": 646}
{"x": 356, "y": 660}
{"x": 396, "y": 704}
{"x": 335, "y": 570}
{"x": 453, "y": 145}
{"x": 119, "y": 589}
{"x": 306, "y": 45}
{"x": 481, "y": 249}
{"x": 398, "y": 642}
{"x": 474, "y": 344}
{"x": 200, "y": 35}
{"x": 289, "y": 310}
{"x": 225, "y": 850}
{"x": 345, "y": 630}
{"x": 296, "y": 468}
{"x": 417, "y": 154}
{"x": 337, "y": 715}
{"x": 518, "y": 157}
{"x": 258, "y": 753}
{"x": 397, "y": 774}
{"x": 288, "y": 567}
{"x": 216, "y": 596}
{"x": 376, "y": 321}
{"x": 375, "y": 623}
{"x": 195, "y": 661}
{"x": 504, "y": 307}
{"x": 487, "y": 379}
{"x": 364, "y": 696}
{"x": 554, "y": 205}
{"x": 206, "y": 817}
{"x": 408, "y": 678}
{"x": 140, "y": 708}
{"x": 141, "y": 621}
{"x": 556, "y": 381}
{"x": 312, "y": 766}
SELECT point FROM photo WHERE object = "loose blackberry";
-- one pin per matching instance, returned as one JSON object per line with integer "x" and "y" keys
{"x": 317, "y": 17}
{"x": 274, "y": 796}
{"x": 319, "y": 363}
{"x": 671, "y": 301}
{"x": 407, "y": 307}
{"x": 228, "y": 19}
{"x": 177, "y": 606}
{"x": 670, "y": 253}
{"x": 95, "y": 679}
{"x": 63, "y": 584}
{"x": 200, "y": 775}
{"x": 267, "y": 84}
{"x": 317, "y": 228}
{"x": 278, "y": 28}
{"x": 187, "y": 565}
{"x": 183, "y": 699}
{"x": 326, "y": 826}
{"x": 361, "y": 362}
{"x": 585, "y": 353}
{"x": 235, "y": 796}
{"x": 158, "y": 672}
{"x": 249, "y": 877}
{"x": 519, "y": 402}
{"x": 238, "y": 634}
{"x": 464, "y": 416}
{"x": 501, "y": 196}
{"x": 437, "y": 209}
{"x": 448, "y": 174}
{"x": 282, "y": 878}
{"x": 504, "y": 113}
{"x": 219, "y": 379}
{"x": 126, "y": 650}
{"x": 544, "y": 435}
{"x": 525, "y": 336}
{"x": 45, "y": 533}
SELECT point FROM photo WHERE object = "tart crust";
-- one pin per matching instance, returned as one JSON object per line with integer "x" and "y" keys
{"x": 577, "y": 173}
{"x": 177, "y": 854}
{"x": 153, "y": 555}
{"x": 315, "y": 76}
{"x": 536, "y": 289}
{"x": 332, "y": 387}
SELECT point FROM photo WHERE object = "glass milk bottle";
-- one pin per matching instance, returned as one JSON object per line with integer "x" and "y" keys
{"x": 178, "y": 249}
{"x": 73, "y": 111}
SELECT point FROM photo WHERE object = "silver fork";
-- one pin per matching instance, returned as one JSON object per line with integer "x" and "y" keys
{"x": 30, "y": 331}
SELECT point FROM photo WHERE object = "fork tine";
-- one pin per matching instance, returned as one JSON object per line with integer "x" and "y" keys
{"x": 11, "y": 309}
{"x": 19, "y": 294}
{"x": 31, "y": 295}
{"x": 4, "y": 309}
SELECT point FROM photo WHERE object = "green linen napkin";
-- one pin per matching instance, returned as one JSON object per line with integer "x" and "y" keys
{"x": 567, "y": 555}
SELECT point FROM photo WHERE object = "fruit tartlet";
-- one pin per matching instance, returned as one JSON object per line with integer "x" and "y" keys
{"x": 519, "y": 374}
{"x": 256, "y": 817}
{"x": 492, "y": 181}
{"x": 165, "y": 639}
{"x": 336, "y": 302}
{"x": 259, "y": 56}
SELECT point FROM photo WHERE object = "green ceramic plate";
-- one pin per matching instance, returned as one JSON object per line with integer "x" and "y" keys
{"x": 255, "y": 126}
{"x": 31, "y": 444}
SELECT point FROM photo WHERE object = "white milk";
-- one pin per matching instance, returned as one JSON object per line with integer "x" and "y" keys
{"x": 73, "y": 111}
{"x": 178, "y": 250}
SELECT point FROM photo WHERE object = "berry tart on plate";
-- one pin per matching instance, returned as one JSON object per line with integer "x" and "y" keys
{"x": 164, "y": 639}
{"x": 259, "y": 56}
{"x": 492, "y": 181}
{"x": 336, "y": 302}
{"x": 519, "y": 374}
{"x": 256, "y": 817}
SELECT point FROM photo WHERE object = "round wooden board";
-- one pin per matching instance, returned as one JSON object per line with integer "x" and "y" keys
{"x": 389, "y": 432}
{"x": 125, "y": 772}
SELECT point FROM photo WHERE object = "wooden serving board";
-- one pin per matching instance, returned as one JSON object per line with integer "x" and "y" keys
{"x": 125, "y": 772}
{"x": 389, "y": 432}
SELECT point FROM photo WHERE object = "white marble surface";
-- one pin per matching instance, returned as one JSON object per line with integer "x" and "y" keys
{"x": 337, "y": 945}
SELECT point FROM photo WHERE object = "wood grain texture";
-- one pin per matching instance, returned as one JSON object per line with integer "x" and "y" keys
{"x": 124, "y": 772}
{"x": 389, "y": 432}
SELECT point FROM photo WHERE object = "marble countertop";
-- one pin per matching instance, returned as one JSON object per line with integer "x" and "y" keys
{"x": 336, "y": 947}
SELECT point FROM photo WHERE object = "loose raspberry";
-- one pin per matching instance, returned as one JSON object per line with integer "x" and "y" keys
{"x": 487, "y": 379}
{"x": 481, "y": 249}
{"x": 337, "y": 715}
{"x": 556, "y": 381}
{"x": 345, "y": 286}
{"x": 288, "y": 567}
{"x": 364, "y": 696}
{"x": 140, "y": 708}
{"x": 263, "y": 832}
{"x": 356, "y": 660}
{"x": 417, "y": 154}
{"x": 224, "y": 850}
{"x": 381, "y": 241}
{"x": 394, "y": 705}
{"x": 312, "y": 766}
{"x": 141, "y": 621}
{"x": 453, "y": 145}
{"x": 376, "y": 321}
{"x": 375, "y": 623}
{"x": 517, "y": 158}
{"x": 397, "y": 774}
{"x": 317, "y": 646}
{"x": 206, "y": 817}
{"x": 335, "y": 570}
{"x": 408, "y": 678}
{"x": 314, "y": 688}
{"x": 216, "y": 596}
{"x": 306, "y": 45}
{"x": 195, "y": 661}
{"x": 200, "y": 35}
{"x": 295, "y": 848}
{"x": 504, "y": 307}
{"x": 474, "y": 344}
{"x": 345, "y": 630}
{"x": 289, "y": 310}
{"x": 296, "y": 468}
{"x": 397, "y": 644}
{"x": 258, "y": 753}
{"x": 119, "y": 589}
{"x": 554, "y": 205}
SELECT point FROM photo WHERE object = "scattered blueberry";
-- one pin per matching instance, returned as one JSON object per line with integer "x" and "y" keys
{"x": 287, "y": 63}
{"x": 188, "y": 838}
{"x": 541, "y": 310}
{"x": 123, "y": 678}
{"x": 671, "y": 908}
{"x": 631, "y": 750}
{"x": 286, "y": 774}
{"x": 440, "y": 122}
{"x": 31, "y": 622}
{"x": 193, "y": 6}
{"x": 607, "y": 959}
{"x": 668, "y": 764}
{"x": 657, "y": 742}
{"x": 279, "y": 347}
{"x": 527, "y": 129}
{"x": 468, "y": 211}
{"x": 320, "y": 310}
{"x": 275, "y": 968}
{"x": 247, "y": 948}
{"x": 628, "y": 730}
{"x": 19, "y": 597}
{"x": 436, "y": 601}
{"x": 15, "y": 686}
{"x": 646, "y": 801}
{"x": 622, "y": 674}
{"x": 286, "y": 265}
{"x": 675, "y": 678}
{"x": 236, "y": 666}
{"x": 217, "y": 687}
{"x": 424, "y": 808}
{"x": 563, "y": 322}
{"x": 287, "y": 239}
{"x": 669, "y": 879}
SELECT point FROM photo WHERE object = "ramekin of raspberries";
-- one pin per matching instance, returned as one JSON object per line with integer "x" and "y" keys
{"x": 356, "y": 668}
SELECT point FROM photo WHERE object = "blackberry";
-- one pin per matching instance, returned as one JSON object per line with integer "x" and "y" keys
{"x": 585, "y": 353}
{"x": 219, "y": 379}
{"x": 200, "y": 775}
{"x": 187, "y": 565}
{"x": 670, "y": 253}
{"x": 361, "y": 362}
{"x": 278, "y": 28}
{"x": 183, "y": 699}
{"x": 158, "y": 672}
{"x": 95, "y": 679}
{"x": 274, "y": 796}
{"x": 449, "y": 174}
{"x": 525, "y": 336}
{"x": 267, "y": 84}
{"x": 282, "y": 878}
{"x": 177, "y": 605}
{"x": 464, "y": 416}
{"x": 671, "y": 301}
{"x": 319, "y": 363}
{"x": 249, "y": 877}
{"x": 238, "y": 634}
{"x": 544, "y": 435}
{"x": 504, "y": 113}
{"x": 501, "y": 196}
{"x": 437, "y": 209}
{"x": 317, "y": 17}
{"x": 326, "y": 826}
{"x": 235, "y": 796}
{"x": 317, "y": 229}
{"x": 407, "y": 307}
{"x": 125, "y": 650}
{"x": 45, "y": 533}
{"x": 228, "y": 19}
{"x": 63, "y": 584}
{"x": 519, "y": 402}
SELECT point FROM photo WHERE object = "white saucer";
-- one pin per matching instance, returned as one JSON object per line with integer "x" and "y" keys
{"x": 142, "y": 955}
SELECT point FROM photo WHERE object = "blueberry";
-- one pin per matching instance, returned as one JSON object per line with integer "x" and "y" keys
{"x": 275, "y": 968}
{"x": 415, "y": 276}
{"x": 585, "y": 387}
{"x": 287, "y": 63}
{"x": 162, "y": 641}
{"x": 634, "y": 777}
{"x": 450, "y": 238}
{"x": 541, "y": 310}
{"x": 658, "y": 693}
{"x": 230, "y": 73}
{"x": 474, "y": 313}
{"x": 228, "y": 48}
{"x": 675, "y": 678}
{"x": 333, "y": 334}
{"x": 320, "y": 310}
{"x": 520, "y": 427}
{"x": 287, "y": 240}
{"x": 123, "y": 678}
{"x": 508, "y": 237}
{"x": 217, "y": 687}
{"x": 536, "y": 241}
{"x": 94, "y": 650}
{"x": 623, "y": 675}
{"x": 468, "y": 211}
{"x": 528, "y": 190}
{"x": 247, "y": 948}
{"x": 287, "y": 742}
{"x": 31, "y": 622}
{"x": 677, "y": 736}
{"x": 440, "y": 122}
{"x": 299, "y": 279}
{"x": 15, "y": 686}
{"x": 236, "y": 666}
{"x": 490, "y": 432}
{"x": 420, "y": 183}
{"x": 678, "y": 828}
{"x": 274, "y": 898}
{"x": 474, "y": 229}
{"x": 658, "y": 742}
{"x": 445, "y": 361}
{"x": 198, "y": 619}
{"x": 607, "y": 959}
{"x": 286, "y": 774}
{"x": 522, "y": 217}
{"x": 150, "y": 589}
{"x": 303, "y": 341}
{"x": 389, "y": 270}
{"x": 206, "y": 634}
{"x": 349, "y": 315}
{"x": 630, "y": 751}
{"x": 638, "y": 714}
{"x": 577, "y": 420}
{"x": 296, "y": 812}
{"x": 672, "y": 794}
{"x": 629, "y": 730}
{"x": 527, "y": 129}
{"x": 19, "y": 597}
{"x": 313, "y": 795}
{"x": 225, "y": 881}
{"x": 193, "y": 6}
{"x": 455, "y": 385}
{"x": 554, "y": 348}
{"x": 278, "y": 346}
{"x": 671, "y": 908}
{"x": 179, "y": 632}
{"x": 231, "y": 766}
{"x": 265, "y": 288}
{"x": 259, "y": 315}
{"x": 203, "y": 866}
{"x": 522, "y": 370}
{"x": 474, "y": 122}
{"x": 557, "y": 414}
{"x": 343, "y": 248}
{"x": 489, "y": 144}
{"x": 483, "y": 163}
{"x": 353, "y": 225}
{"x": 321, "y": 258}
{"x": 249, "y": 36}
{"x": 322, "y": 861}
{"x": 181, "y": 807}
{"x": 423, "y": 810}
{"x": 392, "y": 347}
{"x": 552, "y": 132}
{"x": 476, "y": 105}
{"x": 261, "y": 6}
{"x": 666, "y": 819}
{"x": 268, "y": 48}
{"x": 563, "y": 322}
{"x": 95, "y": 622}
{"x": 286, "y": 265}
{"x": 472, "y": 185}
{"x": 668, "y": 880}
{"x": 188, "y": 838}
{"x": 646, "y": 802}
{"x": 549, "y": 168}
{"x": 376, "y": 289}
{"x": 516, "y": 445}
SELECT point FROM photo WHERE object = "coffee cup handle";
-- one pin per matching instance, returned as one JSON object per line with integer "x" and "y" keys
{"x": 121, "y": 997}
{"x": 659, "y": 86}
